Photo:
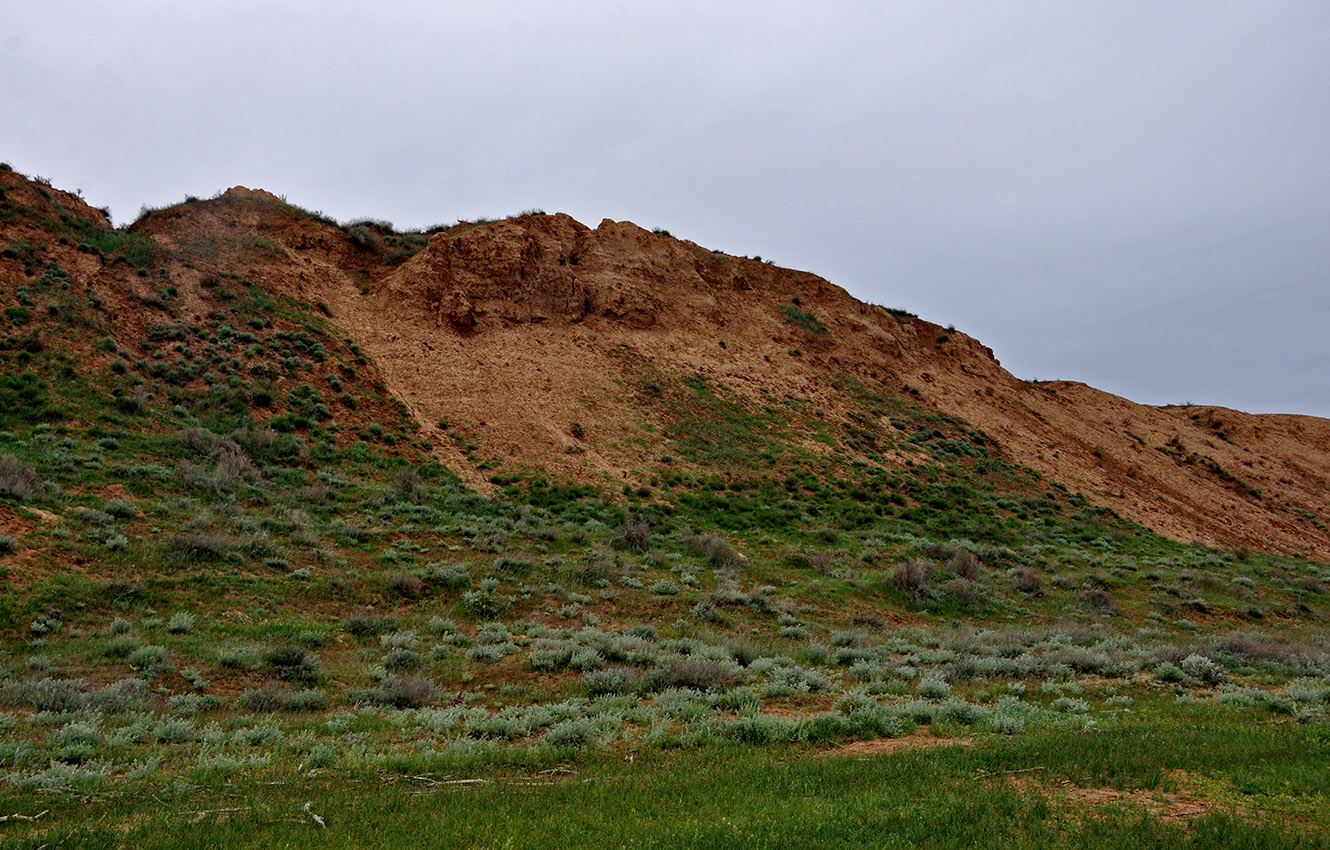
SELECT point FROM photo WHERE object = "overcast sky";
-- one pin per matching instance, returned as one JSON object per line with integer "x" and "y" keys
{"x": 1131, "y": 194}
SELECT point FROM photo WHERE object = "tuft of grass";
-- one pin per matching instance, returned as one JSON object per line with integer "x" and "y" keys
{"x": 807, "y": 321}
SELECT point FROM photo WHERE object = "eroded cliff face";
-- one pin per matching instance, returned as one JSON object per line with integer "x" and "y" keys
{"x": 514, "y": 330}
{"x": 538, "y": 269}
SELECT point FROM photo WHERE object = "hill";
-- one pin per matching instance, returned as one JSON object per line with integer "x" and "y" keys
{"x": 511, "y": 331}
{"x": 289, "y": 506}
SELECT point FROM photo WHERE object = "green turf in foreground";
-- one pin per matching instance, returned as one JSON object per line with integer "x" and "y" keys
{"x": 1266, "y": 786}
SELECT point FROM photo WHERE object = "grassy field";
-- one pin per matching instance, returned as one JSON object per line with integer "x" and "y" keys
{"x": 1194, "y": 783}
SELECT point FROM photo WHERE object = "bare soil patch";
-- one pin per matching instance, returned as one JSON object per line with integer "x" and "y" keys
{"x": 884, "y": 746}
{"x": 1182, "y": 800}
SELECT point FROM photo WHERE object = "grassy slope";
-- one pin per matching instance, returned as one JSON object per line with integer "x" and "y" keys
{"x": 236, "y": 522}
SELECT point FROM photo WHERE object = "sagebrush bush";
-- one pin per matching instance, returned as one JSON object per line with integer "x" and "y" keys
{"x": 877, "y": 720}
{"x": 226, "y": 469}
{"x": 120, "y": 508}
{"x": 201, "y": 546}
{"x": 200, "y": 441}
{"x": 1070, "y": 705}
{"x": 120, "y": 646}
{"x": 1203, "y": 669}
{"x": 400, "y": 692}
{"x": 714, "y": 548}
{"x": 400, "y": 660}
{"x": 1166, "y": 671}
{"x": 1261, "y": 648}
{"x": 406, "y": 639}
{"x": 634, "y": 533}
{"x": 788, "y": 679}
{"x": 239, "y": 657}
{"x": 125, "y": 695}
{"x": 577, "y": 733}
{"x": 643, "y": 632}
{"x": 493, "y": 633}
{"x": 307, "y": 699}
{"x": 766, "y": 729}
{"x": 448, "y": 576}
{"x": 407, "y": 481}
{"x": 259, "y": 735}
{"x": 266, "y": 700}
{"x": 488, "y": 653}
{"x": 911, "y": 578}
{"x": 1100, "y": 599}
{"x": 1027, "y": 580}
{"x": 47, "y": 694}
{"x": 706, "y": 611}
{"x": 184, "y": 705}
{"x": 962, "y": 712}
{"x": 77, "y": 732}
{"x": 148, "y": 659}
{"x": 1006, "y": 724}
{"x": 485, "y": 602}
{"x": 550, "y": 655}
{"x": 630, "y": 649}
{"x": 615, "y": 680}
{"x": 294, "y": 663}
{"x": 665, "y": 587}
{"x": 405, "y": 585}
{"x": 845, "y": 638}
{"x": 171, "y": 731}
{"x": 368, "y": 624}
{"x": 120, "y": 627}
{"x": 586, "y": 658}
{"x": 964, "y": 564}
{"x": 440, "y": 626}
{"x": 700, "y": 674}
{"x": 19, "y": 480}
{"x": 181, "y": 623}
{"x": 963, "y": 590}
{"x": 933, "y": 689}
{"x": 312, "y": 638}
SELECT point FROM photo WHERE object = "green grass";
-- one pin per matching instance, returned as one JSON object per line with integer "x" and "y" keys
{"x": 1003, "y": 792}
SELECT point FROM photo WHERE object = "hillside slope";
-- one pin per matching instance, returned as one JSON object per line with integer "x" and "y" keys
{"x": 542, "y": 344}
{"x": 512, "y": 331}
